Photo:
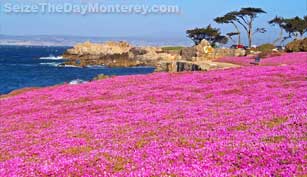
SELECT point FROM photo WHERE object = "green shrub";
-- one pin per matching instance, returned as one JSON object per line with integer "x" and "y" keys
{"x": 297, "y": 46}
{"x": 304, "y": 45}
{"x": 293, "y": 46}
{"x": 266, "y": 48}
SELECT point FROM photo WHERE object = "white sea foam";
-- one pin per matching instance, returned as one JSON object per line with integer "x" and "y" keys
{"x": 51, "y": 64}
{"x": 70, "y": 66}
{"x": 96, "y": 66}
{"x": 77, "y": 81}
{"x": 51, "y": 57}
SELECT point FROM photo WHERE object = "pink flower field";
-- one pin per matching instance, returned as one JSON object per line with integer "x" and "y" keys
{"x": 249, "y": 121}
{"x": 284, "y": 59}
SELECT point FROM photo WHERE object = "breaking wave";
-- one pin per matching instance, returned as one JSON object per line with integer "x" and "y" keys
{"x": 51, "y": 57}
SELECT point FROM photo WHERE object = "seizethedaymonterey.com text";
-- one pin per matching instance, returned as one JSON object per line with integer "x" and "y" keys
{"x": 88, "y": 8}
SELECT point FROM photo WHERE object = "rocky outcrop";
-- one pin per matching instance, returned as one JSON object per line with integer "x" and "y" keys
{"x": 116, "y": 54}
{"x": 122, "y": 54}
{"x": 107, "y": 48}
{"x": 113, "y": 54}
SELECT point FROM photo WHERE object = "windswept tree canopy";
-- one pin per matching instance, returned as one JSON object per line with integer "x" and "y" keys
{"x": 280, "y": 22}
{"x": 250, "y": 11}
{"x": 227, "y": 18}
{"x": 230, "y": 18}
{"x": 295, "y": 26}
{"x": 246, "y": 17}
{"x": 277, "y": 21}
{"x": 232, "y": 34}
{"x": 213, "y": 35}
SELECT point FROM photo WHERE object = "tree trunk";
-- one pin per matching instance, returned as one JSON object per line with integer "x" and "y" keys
{"x": 250, "y": 34}
{"x": 279, "y": 39}
{"x": 239, "y": 33}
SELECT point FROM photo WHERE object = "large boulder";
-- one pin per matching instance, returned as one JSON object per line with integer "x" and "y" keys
{"x": 203, "y": 49}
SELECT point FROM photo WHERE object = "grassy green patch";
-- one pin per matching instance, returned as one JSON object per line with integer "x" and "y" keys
{"x": 172, "y": 48}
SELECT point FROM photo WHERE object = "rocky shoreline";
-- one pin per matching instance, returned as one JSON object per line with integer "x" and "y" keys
{"x": 123, "y": 54}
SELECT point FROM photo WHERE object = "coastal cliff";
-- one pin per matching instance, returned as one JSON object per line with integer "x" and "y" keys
{"x": 123, "y": 54}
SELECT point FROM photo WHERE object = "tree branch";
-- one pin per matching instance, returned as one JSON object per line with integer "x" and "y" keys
{"x": 242, "y": 25}
{"x": 244, "y": 20}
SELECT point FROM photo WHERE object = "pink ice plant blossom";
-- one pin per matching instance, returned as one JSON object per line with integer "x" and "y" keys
{"x": 284, "y": 59}
{"x": 235, "y": 122}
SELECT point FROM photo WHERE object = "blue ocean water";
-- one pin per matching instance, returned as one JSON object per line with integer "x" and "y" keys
{"x": 24, "y": 66}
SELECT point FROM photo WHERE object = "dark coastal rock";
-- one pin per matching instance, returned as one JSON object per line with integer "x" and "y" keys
{"x": 111, "y": 60}
{"x": 184, "y": 66}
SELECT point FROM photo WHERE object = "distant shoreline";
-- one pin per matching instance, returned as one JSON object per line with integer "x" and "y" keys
{"x": 34, "y": 45}
{"x": 61, "y": 40}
